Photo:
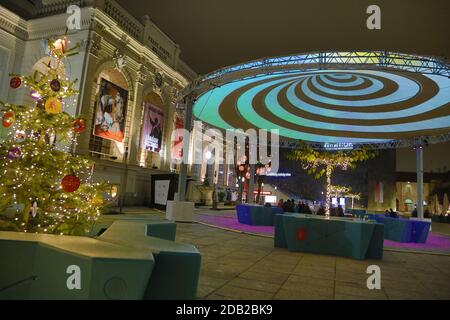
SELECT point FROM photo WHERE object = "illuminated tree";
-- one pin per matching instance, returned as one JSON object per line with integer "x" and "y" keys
{"x": 340, "y": 191}
{"x": 346, "y": 192}
{"x": 50, "y": 188}
{"x": 320, "y": 163}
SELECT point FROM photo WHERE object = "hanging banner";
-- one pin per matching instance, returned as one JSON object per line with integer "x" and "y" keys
{"x": 110, "y": 112}
{"x": 378, "y": 192}
{"x": 177, "y": 144}
{"x": 152, "y": 128}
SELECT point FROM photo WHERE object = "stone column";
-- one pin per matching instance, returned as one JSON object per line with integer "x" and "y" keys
{"x": 135, "y": 130}
{"x": 87, "y": 92}
{"x": 184, "y": 166}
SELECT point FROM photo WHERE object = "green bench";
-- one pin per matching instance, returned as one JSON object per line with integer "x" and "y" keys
{"x": 177, "y": 265}
{"x": 163, "y": 229}
{"x": 131, "y": 259}
{"x": 331, "y": 236}
{"x": 34, "y": 266}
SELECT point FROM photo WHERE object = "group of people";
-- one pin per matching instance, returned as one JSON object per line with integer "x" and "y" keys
{"x": 391, "y": 213}
{"x": 290, "y": 206}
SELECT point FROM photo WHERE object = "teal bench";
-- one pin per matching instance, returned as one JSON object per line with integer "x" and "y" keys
{"x": 163, "y": 229}
{"x": 34, "y": 266}
{"x": 177, "y": 265}
{"x": 131, "y": 259}
{"x": 256, "y": 215}
{"x": 334, "y": 236}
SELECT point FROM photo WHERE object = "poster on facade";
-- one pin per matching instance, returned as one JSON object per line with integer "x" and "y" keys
{"x": 177, "y": 146}
{"x": 110, "y": 113}
{"x": 152, "y": 128}
{"x": 161, "y": 191}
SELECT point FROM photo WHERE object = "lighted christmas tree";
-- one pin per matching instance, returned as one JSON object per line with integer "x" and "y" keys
{"x": 49, "y": 187}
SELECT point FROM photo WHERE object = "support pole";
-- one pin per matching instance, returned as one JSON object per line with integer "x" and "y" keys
{"x": 419, "y": 166}
{"x": 184, "y": 166}
{"x": 251, "y": 185}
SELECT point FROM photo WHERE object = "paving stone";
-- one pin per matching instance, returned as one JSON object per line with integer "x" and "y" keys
{"x": 243, "y": 293}
{"x": 308, "y": 287}
{"x": 212, "y": 281}
{"x": 255, "y": 285}
{"x": 300, "y": 280}
{"x": 203, "y": 291}
{"x": 359, "y": 291}
{"x": 394, "y": 294}
{"x": 288, "y": 294}
{"x": 271, "y": 277}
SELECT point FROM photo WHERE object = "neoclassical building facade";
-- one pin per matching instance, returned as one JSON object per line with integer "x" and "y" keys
{"x": 118, "y": 55}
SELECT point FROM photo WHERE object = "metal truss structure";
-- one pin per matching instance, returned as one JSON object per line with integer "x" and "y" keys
{"x": 394, "y": 144}
{"x": 379, "y": 60}
{"x": 348, "y": 60}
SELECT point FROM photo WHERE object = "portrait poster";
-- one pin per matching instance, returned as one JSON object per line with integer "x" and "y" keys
{"x": 152, "y": 128}
{"x": 110, "y": 113}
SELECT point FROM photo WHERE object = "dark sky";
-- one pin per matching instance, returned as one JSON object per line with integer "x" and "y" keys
{"x": 214, "y": 33}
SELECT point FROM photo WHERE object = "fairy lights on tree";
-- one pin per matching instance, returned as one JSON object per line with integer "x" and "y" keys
{"x": 346, "y": 192}
{"x": 50, "y": 188}
{"x": 320, "y": 163}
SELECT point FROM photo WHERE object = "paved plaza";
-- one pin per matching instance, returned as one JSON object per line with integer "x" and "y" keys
{"x": 241, "y": 266}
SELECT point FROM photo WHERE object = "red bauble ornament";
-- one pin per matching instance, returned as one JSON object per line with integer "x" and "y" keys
{"x": 79, "y": 125}
{"x": 241, "y": 168}
{"x": 8, "y": 119}
{"x": 15, "y": 82}
{"x": 70, "y": 183}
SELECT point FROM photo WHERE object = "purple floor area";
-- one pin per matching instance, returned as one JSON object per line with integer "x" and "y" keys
{"x": 232, "y": 223}
{"x": 435, "y": 242}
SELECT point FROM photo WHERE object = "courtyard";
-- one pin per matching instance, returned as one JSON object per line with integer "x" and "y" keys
{"x": 240, "y": 266}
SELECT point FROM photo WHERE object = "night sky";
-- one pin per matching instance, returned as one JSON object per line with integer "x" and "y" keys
{"x": 214, "y": 34}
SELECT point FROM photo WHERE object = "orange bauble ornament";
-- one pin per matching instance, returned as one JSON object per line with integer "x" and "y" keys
{"x": 53, "y": 105}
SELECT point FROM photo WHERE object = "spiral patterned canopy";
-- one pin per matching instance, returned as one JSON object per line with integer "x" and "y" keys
{"x": 333, "y": 106}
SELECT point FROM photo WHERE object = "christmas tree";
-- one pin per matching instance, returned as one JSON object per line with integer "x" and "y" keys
{"x": 48, "y": 186}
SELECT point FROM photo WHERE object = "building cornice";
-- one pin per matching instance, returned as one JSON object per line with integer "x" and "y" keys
{"x": 111, "y": 32}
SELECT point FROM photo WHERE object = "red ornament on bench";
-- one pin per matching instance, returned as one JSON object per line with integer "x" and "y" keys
{"x": 301, "y": 234}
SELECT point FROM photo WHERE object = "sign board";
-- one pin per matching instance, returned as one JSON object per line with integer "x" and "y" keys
{"x": 338, "y": 146}
{"x": 161, "y": 191}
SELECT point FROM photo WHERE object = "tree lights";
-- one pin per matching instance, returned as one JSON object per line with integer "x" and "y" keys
{"x": 322, "y": 163}
{"x": 38, "y": 174}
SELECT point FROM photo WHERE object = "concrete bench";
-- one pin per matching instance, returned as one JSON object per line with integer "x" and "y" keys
{"x": 403, "y": 230}
{"x": 331, "y": 236}
{"x": 34, "y": 266}
{"x": 155, "y": 227}
{"x": 177, "y": 265}
{"x": 131, "y": 259}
